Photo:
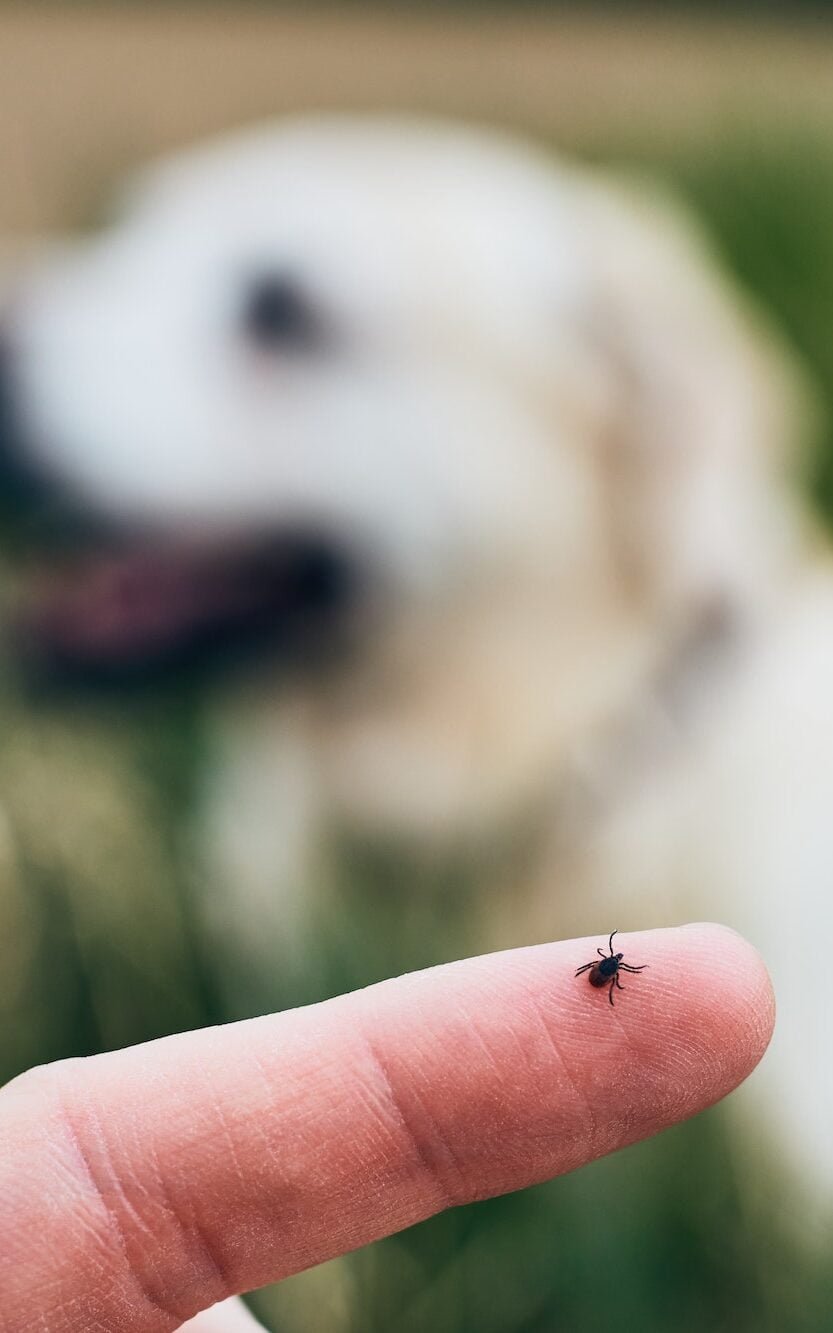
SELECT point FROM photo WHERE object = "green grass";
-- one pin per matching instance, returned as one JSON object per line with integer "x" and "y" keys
{"x": 769, "y": 205}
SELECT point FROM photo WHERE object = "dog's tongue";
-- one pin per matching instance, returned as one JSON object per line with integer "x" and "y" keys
{"x": 151, "y": 608}
{"x": 113, "y": 608}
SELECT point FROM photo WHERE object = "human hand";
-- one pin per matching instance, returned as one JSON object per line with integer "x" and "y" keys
{"x": 141, "y": 1187}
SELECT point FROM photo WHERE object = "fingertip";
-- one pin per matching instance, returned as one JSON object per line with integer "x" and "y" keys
{"x": 736, "y": 962}
{"x": 742, "y": 984}
{"x": 717, "y": 988}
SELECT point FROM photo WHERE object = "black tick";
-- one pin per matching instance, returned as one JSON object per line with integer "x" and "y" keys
{"x": 606, "y": 973}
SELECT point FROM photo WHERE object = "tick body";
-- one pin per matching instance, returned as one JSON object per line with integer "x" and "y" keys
{"x": 606, "y": 971}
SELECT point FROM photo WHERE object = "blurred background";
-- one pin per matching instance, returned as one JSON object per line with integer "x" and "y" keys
{"x": 99, "y": 938}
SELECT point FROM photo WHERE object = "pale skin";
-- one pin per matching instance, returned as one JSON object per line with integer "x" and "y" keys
{"x": 141, "y": 1187}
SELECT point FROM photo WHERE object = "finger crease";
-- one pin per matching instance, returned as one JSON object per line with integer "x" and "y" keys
{"x": 106, "y": 1190}
{"x": 429, "y": 1145}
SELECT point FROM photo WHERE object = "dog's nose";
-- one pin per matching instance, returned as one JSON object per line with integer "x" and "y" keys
{"x": 22, "y": 485}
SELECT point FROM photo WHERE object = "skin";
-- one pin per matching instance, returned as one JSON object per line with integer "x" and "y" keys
{"x": 140, "y": 1187}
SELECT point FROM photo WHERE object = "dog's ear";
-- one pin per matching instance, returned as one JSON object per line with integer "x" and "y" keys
{"x": 707, "y": 408}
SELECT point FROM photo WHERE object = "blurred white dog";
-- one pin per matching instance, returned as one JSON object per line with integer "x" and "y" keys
{"x": 484, "y": 457}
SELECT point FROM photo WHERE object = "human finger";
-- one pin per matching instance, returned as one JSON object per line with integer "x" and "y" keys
{"x": 140, "y": 1187}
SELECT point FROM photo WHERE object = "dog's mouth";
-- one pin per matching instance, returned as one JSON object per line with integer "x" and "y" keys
{"x": 144, "y": 609}
{"x": 107, "y": 603}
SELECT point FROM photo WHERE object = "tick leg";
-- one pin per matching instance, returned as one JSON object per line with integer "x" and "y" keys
{"x": 601, "y": 953}
{"x": 579, "y": 970}
{"x": 610, "y": 941}
{"x": 619, "y": 985}
{"x": 627, "y": 967}
{"x": 610, "y": 992}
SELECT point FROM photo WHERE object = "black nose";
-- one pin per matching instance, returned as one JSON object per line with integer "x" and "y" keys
{"x": 36, "y": 507}
{"x": 23, "y": 486}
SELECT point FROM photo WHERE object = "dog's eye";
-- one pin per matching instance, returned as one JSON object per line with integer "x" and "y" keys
{"x": 277, "y": 315}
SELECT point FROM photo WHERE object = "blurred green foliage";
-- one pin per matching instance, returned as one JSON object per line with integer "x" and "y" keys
{"x": 100, "y": 948}
{"x": 769, "y": 206}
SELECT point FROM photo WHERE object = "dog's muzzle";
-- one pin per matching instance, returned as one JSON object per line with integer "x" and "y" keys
{"x": 104, "y": 606}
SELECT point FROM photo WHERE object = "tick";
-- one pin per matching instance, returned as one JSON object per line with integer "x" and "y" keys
{"x": 606, "y": 973}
